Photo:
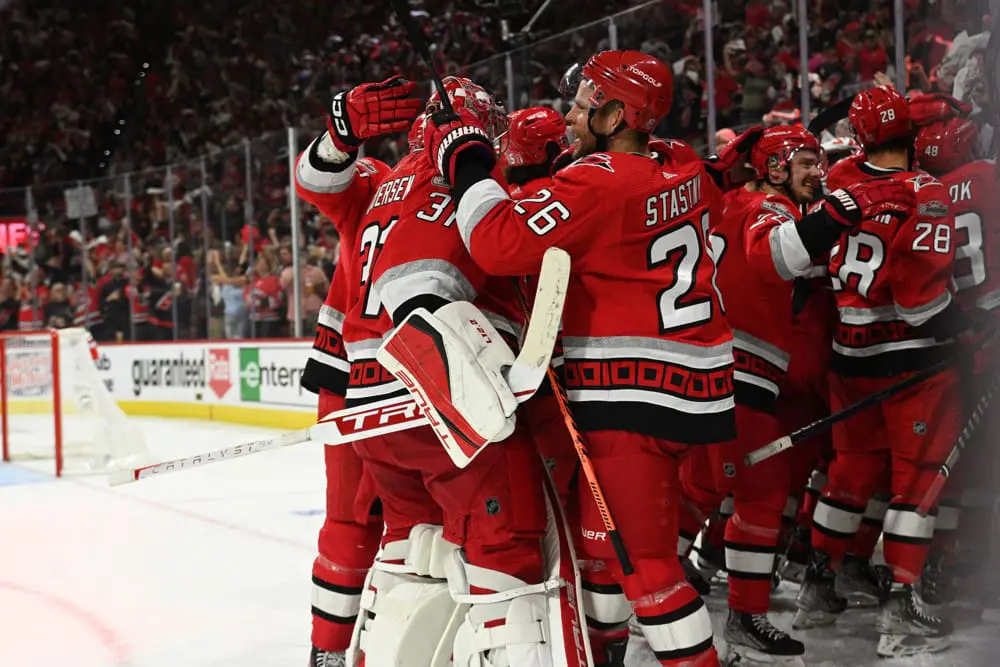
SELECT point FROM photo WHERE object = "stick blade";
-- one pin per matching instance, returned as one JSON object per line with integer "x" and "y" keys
{"x": 119, "y": 477}
{"x": 532, "y": 363}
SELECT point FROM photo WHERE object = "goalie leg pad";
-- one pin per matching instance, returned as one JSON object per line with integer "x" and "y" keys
{"x": 511, "y": 623}
{"x": 408, "y": 617}
{"x": 452, "y": 363}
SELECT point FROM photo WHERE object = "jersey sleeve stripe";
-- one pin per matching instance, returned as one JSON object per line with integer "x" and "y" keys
{"x": 894, "y": 346}
{"x": 788, "y": 252}
{"x": 332, "y": 318}
{"x": 862, "y": 316}
{"x": 762, "y": 349}
{"x": 918, "y": 315}
{"x": 420, "y": 278}
{"x": 330, "y": 360}
{"x": 315, "y": 174}
{"x": 476, "y": 204}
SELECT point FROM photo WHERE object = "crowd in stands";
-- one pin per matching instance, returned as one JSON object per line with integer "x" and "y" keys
{"x": 92, "y": 87}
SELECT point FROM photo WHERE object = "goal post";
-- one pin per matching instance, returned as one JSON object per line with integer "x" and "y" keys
{"x": 56, "y": 406}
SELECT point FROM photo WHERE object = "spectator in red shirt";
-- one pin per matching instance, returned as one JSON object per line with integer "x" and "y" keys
{"x": 872, "y": 57}
{"x": 848, "y": 45}
{"x": 264, "y": 298}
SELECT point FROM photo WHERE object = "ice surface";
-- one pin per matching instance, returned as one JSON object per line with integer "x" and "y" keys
{"x": 211, "y": 567}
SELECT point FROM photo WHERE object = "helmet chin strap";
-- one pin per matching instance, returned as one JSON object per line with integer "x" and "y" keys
{"x": 601, "y": 139}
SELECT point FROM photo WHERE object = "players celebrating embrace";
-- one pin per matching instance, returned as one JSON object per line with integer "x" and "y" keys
{"x": 677, "y": 337}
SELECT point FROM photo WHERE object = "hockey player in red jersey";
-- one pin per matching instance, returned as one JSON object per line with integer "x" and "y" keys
{"x": 897, "y": 316}
{"x": 946, "y": 149}
{"x": 763, "y": 243}
{"x": 462, "y": 571}
{"x": 648, "y": 352}
{"x": 350, "y": 534}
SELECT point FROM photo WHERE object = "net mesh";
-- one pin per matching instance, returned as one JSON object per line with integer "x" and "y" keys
{"x": 96, "y": 434}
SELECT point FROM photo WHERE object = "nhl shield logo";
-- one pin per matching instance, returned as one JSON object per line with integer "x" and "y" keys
{"x": 729, "y": 469}
{"x": 920, "y": 428}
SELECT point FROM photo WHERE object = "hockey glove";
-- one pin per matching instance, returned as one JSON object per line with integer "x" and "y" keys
{"x": 370, "y": 110}
{"x": 724, "y": 167}
{"x": 932, "y": 107}
{"x": 458, "y": 140}
{"x": 870, "y": 199}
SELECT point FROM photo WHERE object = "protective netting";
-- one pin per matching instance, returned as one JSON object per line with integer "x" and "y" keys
{"x": 95, "y": 433}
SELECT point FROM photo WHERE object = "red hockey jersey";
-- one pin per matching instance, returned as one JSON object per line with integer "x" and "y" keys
{"x": 890, "y": 277}
{"x": 975, "y": 202}
{"x": 758, "y": 298}
{"x": 647, "y": 345}
{"x": 342, "y": 196}
{"x": 424, "y": 262}
{"x": 847, "y": 172}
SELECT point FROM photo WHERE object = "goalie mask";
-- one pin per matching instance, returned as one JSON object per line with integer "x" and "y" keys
{"x": 464, "y": 93}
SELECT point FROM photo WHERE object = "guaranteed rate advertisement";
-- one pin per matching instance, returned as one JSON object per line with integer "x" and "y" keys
{"x": 260, "y": 374}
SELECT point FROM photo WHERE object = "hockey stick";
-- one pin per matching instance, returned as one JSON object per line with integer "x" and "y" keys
{"x": 419, "y": 44}
{"x": 830, "y": 116}
{"x": 399, "y": 414}
{"x": 787, "y": 442}
{"x": 581, "y": 452}
{"x": 937, "y": 486}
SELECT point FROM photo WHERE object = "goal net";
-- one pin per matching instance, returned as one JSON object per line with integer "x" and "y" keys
{"x": 56, "y": 406}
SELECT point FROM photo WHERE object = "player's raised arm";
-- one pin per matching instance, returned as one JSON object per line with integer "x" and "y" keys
{"x": 329, "y": 174}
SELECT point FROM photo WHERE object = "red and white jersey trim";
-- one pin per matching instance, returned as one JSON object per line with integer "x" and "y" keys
{"x": 332, "y": 318}
{"x": 476, "y": 204}
{"x": 322, "y": 181}
{"x": 424, "y": 277}
{"x": 642, "y": 349}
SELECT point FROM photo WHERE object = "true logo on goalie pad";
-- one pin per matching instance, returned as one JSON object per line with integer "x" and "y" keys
{"x": 406, "y": 410}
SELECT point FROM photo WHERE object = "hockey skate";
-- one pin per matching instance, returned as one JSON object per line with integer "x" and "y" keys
{"x": 753, "y": 640}
{"x": 818, "y": 603}
{"x": 906, "y": 628}
{"x": 859, "y": 582}
{"x": 318, "y": 658}
{"x": 936, "y": 585}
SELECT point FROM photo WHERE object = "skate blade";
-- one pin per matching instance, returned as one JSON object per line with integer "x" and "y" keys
{"x": 744, "y": 656}
{"x": 862, "y": 601}
{"x": 804, "y": 620}
{"x": 905, "y": 646}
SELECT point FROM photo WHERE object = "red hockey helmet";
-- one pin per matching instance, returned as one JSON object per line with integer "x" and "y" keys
{"x": 465, "y": 93}
{"x": 643, "y": 84}
{"x": 529, "y": 134}
{"x": 778, "y": 145}
{"x": 879, "y": 115}
{"x": 415, "y": 137}
{"x": 946, "y": 145}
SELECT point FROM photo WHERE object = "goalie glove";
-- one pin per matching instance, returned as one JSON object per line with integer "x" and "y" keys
{"x": 370, "y": 110}
{"x": 870, "y": 199}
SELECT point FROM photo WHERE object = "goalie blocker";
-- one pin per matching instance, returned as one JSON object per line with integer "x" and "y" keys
{"x": 452, "y": 362}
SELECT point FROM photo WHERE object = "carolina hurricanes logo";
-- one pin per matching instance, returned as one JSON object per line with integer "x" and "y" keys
{"x": 599, "y": 160}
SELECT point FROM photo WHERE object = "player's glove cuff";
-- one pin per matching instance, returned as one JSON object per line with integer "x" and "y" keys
{"x": 458, "y": 143}
{"x": 339, "y": 125}
{"x": 843, "y": 208}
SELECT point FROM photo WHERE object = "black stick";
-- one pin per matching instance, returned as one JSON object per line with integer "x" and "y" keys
{"x": 825, "y": 424}
{"x": 419, "y": 44}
